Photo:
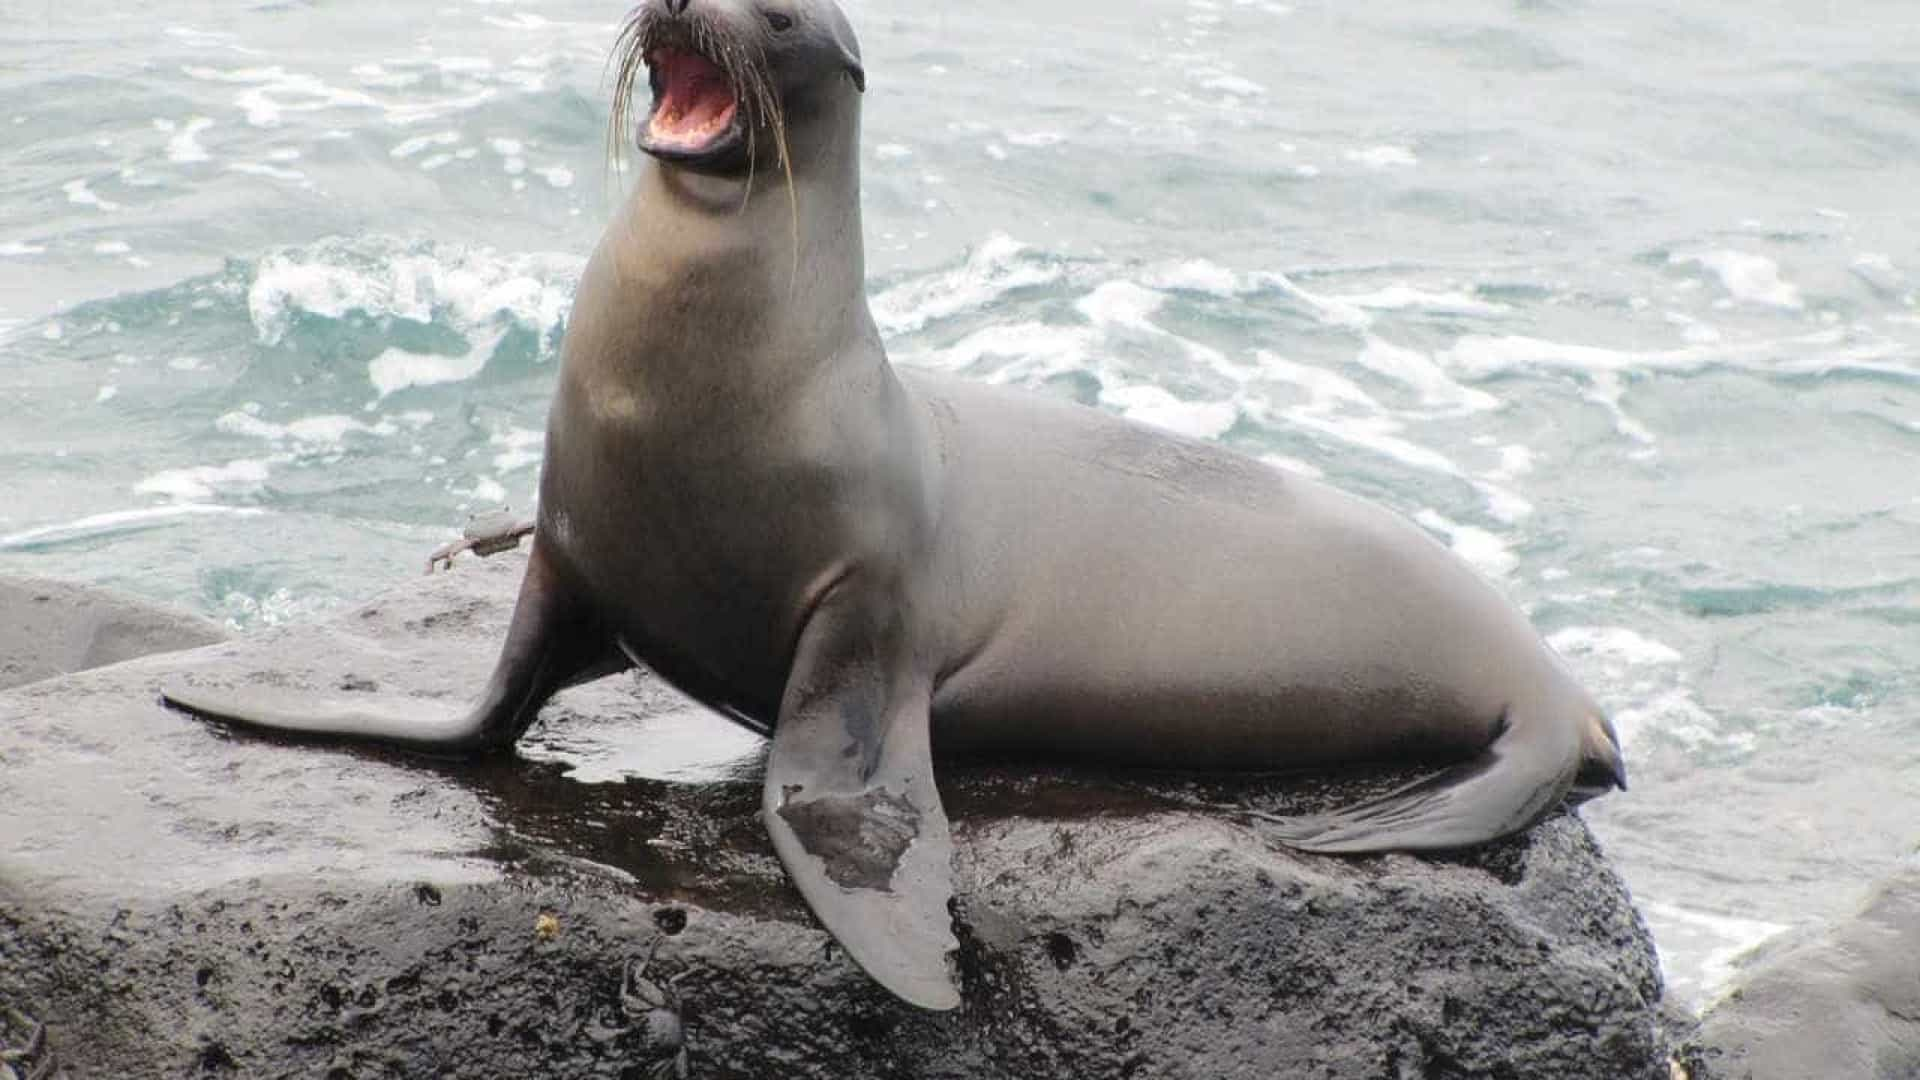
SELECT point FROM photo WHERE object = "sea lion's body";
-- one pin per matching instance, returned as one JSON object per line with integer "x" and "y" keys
{"x": 1119, "y": 594}
{"x": 740, "y": 492}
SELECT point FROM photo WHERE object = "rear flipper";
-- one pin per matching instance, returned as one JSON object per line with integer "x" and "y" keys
{"x": 549, "y": 647}
{"x": 1602, "y": 766}
{"x": 1528, "y": 769}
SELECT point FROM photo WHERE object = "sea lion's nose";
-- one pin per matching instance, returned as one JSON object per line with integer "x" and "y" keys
{"x": 677, "y": 7}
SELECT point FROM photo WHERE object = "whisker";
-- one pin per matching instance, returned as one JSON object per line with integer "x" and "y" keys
{"x": 761, "y": 89}
{"x": 793, "y": 205}
{"x": 627, "y": 59}
{"x": 746, "y": 69}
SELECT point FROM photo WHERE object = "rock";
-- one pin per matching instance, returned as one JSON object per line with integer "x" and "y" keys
{"x": 1844, "y": 1001}
{"x": 176, "y": 900}
{"x": 50, "y": 628}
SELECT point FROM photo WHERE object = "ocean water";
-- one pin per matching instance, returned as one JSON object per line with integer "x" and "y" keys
{"x": 1621, "y": 301}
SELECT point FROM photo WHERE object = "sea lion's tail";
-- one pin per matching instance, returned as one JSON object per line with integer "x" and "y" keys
{"x": 1602, "y": 768}
{"x": 1536, "y": 760}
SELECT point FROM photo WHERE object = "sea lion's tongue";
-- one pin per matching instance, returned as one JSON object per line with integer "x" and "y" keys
{"x": 696, "y": 99}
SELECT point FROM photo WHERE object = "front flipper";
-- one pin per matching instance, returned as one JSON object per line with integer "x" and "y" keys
{"x": 551, "y": 644}
{"x": 429, "y": 727}
{"x": 851, "y": 803}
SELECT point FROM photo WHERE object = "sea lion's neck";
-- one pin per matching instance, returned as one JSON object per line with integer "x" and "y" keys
{"x": 725, "y": 289}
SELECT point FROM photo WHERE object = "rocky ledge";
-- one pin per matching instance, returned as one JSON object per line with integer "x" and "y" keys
{"x": 50, "y": 628}
{"x": 1840, "y": 1001}
{"x": 178, "y": 901}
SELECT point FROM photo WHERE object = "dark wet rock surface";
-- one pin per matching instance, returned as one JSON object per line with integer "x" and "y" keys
{"x": 178, "y": 901}
{"x": 1843, "y": 1001}
{"x": 51, "y": 628}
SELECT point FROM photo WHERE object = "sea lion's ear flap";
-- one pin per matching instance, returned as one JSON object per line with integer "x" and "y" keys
{"x": 849, "y": 47}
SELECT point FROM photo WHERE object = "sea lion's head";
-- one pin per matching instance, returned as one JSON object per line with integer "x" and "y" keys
{"x": 733, "y": 80}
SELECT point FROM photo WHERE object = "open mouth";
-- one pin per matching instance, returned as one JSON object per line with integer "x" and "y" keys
{"x": 694, "y": 105}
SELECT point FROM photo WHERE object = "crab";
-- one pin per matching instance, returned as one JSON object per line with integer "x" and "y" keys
{"x": 488, "y": 533}
{"x": 14, "y": 1059}
{"x": 655, "y": 1009}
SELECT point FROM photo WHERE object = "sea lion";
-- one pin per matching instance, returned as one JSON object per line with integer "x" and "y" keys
{"x": 742, "y": 494}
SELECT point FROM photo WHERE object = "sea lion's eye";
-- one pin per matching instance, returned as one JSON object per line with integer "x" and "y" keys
{"x": 779, "y": 22}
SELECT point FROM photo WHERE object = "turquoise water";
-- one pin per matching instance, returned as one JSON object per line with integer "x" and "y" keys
{"x": 1621, "y": 302}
